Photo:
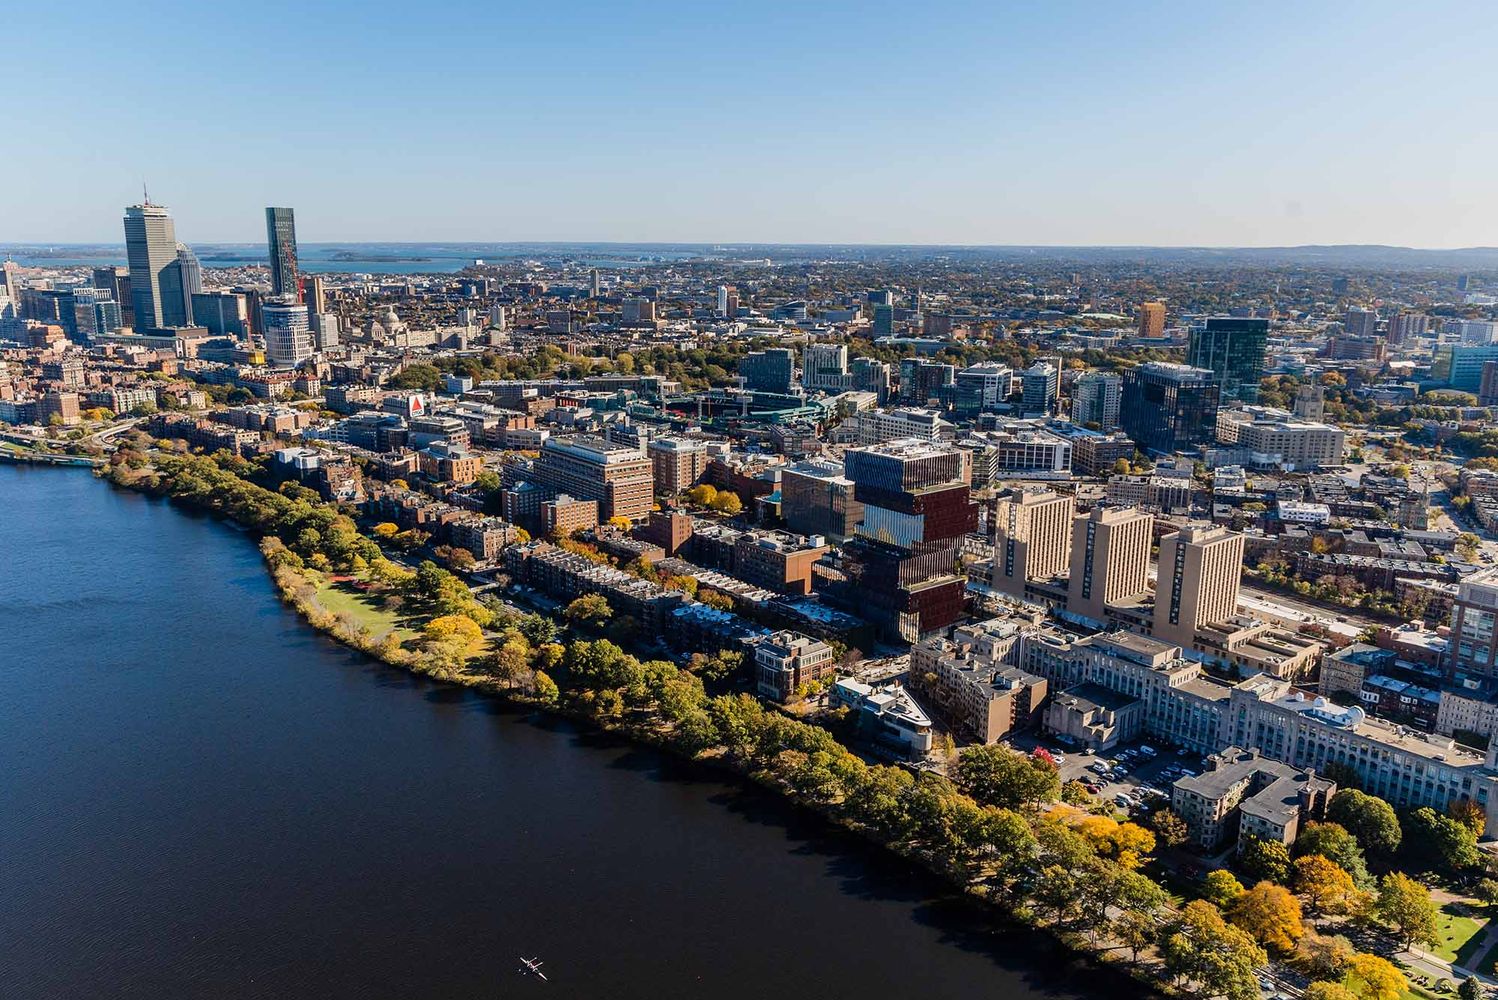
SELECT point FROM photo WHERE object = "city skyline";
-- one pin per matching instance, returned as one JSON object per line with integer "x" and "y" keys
{"x": 1166, "y": 126}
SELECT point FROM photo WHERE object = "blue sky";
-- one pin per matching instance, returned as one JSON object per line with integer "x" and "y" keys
{"x": 941, "y": 122}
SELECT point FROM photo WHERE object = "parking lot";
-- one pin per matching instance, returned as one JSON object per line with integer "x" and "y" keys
{"x": 1132, "y": 775}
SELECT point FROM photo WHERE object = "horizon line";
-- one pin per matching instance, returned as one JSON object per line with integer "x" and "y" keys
{"x": 736, "y": 244}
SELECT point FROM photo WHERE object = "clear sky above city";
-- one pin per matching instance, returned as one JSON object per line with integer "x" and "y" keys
{"x": 942, "y": 122}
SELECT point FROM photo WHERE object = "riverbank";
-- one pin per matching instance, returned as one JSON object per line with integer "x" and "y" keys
{"x": 1034, "y": 870}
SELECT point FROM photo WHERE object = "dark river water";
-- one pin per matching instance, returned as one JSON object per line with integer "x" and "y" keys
{"x": 202, "y": 797}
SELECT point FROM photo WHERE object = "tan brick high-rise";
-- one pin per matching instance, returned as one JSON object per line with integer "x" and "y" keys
{"x": 1032, "y": 539}
{"x": 1110, "y": 558}
{"x": 1197, "y": 584}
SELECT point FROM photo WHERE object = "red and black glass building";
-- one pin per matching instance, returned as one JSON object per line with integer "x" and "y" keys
{"x": 902, "y": 562}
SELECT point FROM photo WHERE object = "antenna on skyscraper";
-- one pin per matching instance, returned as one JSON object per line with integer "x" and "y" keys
{"x": 145, "y": 195}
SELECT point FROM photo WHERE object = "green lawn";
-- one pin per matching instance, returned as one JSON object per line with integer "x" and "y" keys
{"x": 1457, "y": 933}
{"x": 343, "y": 599}
{"x": 1484, "y": 964}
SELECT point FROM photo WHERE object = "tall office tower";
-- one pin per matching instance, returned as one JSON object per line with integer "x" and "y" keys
{"x": 1474, "y": 628}
{"x": 1406, "y": 327}
{"x": 594, "y": 286}
{"x": 902, "y": 562}
{"x": 880, "y": 298}
{"x": 94, "y": 312}
{"x": 1110, "y": 559}
{"x": 1197, "y": 585}
{"x": 1095, "y": 399}
{"x": 497, "y": 317}
{"x": 116, "y": 281}
{"x": 315, "y": 294}
{"x": 155, "y": 277}
{"x": 733, "y": 302}
{"x": 1234, "y": 349}
{"x": 1040, "y": 384}
{"x": 884, "y": 320}
{"x": 1032, "y": 538}
{"x": 10, "y": 285}
{"x": 280, "y": 238}
{"x": 922, "y": 381}
{"x": 722, "y": 300}
{"x": 1359, "y": 322}
{"x": 189, "y": 280}
{"x": 288, "y": 334}
{"x": 1152, "y": 320}
{"x": 1310, "y": 402}
{"x": 1167, "y": 407}
{"x": 771, "y": 370}
{"x": 1463, "y": 282}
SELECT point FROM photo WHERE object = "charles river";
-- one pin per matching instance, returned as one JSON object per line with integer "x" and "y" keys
{"x": 202, "y": 797}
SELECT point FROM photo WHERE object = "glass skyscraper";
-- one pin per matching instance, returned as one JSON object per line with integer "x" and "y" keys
{"x": 280, "y": 239}
{"x": 1167, "y": 407}
{"x": 155, "y": 274}
{"x": 1233, "y": 349}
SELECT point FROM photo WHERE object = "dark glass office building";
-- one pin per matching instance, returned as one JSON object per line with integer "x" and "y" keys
{"x": 1233, "y": 349}
{"x": 1167, "y": 407}
{"x": 280, "y": 238}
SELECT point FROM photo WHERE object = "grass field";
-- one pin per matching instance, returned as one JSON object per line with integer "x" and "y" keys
{"x": 342, "y": 599}
{"x": 1457, "y": 933}
{"x": 1484, "y": 964}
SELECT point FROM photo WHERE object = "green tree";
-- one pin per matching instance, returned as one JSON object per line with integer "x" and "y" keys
{"x": 998, "y": 776}
{"x": 1170, "y": 828}
{"x": 1202, "y": 947}
{"x": 1134, "y": 931}
{"x": 537, "y": 629}
{"x": 1487, "y": 891}
{"x": 1333, "y": 841}
{"x": 1406, "y": 906}
{"x": 1442, "y": 838}
{"x": 546, "y": 688}
{"x": 1221, "y": 889}
{"x": 588, "y": 610}
{"x": 1470, "y": 989}
{"x": 1265, "y": 860}
{"x": 1368, "y": 818}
